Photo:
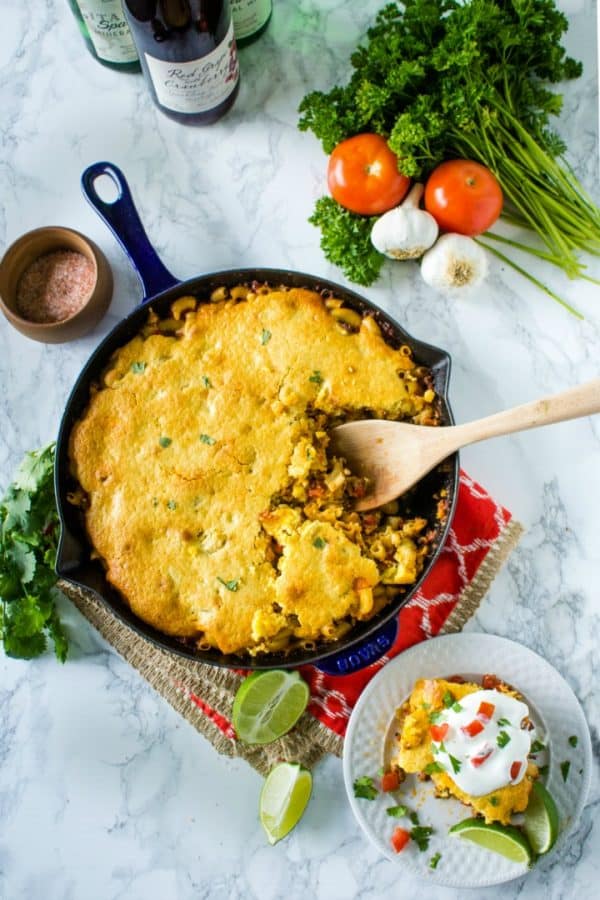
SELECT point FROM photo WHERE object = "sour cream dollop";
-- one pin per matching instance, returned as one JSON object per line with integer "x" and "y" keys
{"x": 480, "y": 742}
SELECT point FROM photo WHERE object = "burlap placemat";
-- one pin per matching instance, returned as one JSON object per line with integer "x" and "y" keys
{"x": 203, "y": 694}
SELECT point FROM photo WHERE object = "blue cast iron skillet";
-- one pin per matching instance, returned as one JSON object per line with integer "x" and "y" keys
{"x": 367, "y": 641}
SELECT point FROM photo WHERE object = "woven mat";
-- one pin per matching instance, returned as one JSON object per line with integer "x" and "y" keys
{"x": 482, "y": 535}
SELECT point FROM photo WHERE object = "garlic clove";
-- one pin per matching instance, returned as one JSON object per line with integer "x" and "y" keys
{"x": 405, "y": 232}
{"x": 454, "y": 263}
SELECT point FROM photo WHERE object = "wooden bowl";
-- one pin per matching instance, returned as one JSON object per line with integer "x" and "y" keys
{"x": 19, "y": 257}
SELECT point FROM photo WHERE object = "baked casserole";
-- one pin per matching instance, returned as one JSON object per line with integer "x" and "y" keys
{"x": 205, "y": 482}
{"x": 474, "y": 742}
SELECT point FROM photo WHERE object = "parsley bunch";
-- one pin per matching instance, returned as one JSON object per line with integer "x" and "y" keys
{"x": 445, "y": 79}
{"x": 28, "y": 541}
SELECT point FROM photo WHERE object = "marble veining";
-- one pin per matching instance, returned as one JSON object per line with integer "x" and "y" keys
{"x": 105, "y": 794}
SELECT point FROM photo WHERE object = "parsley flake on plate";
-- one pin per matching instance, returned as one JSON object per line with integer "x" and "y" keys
{"x": 434, "y": 860}
{"x": 207, "y": 439}
{"x": 503, "y": 723}
{"x": 364, "y": 788}
{"x": 564, "y": 769}
{"x": 456, "y": 763}
{"x": 165, "y": 441}
{"x": 232, "y": 585}
{"x": 397, "y": 812}
{"x": 316, "y": 377}
{"x": 537, "y": 747}
{"x": 206, "y": 381}
{"x": 319, "y": 543}
{"x": 432, "y": 767}
{"x": 448, "y": 699}
{"x": 138, "y": 367}
{"x": 503, "y": 739}
{"x": 421, "y": 835}
{"x": 573, "y": 740}
{"x": 265, "y": 336}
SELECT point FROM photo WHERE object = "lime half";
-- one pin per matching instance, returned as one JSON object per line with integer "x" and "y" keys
{"x": 283, "y": 799}
{"x": 504, "y": 839}
{"x": 541, "y": 820}
{"x": 268, "y": 704}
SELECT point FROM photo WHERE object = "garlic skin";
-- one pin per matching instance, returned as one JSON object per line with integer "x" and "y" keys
{"x": 454, "y": 263}
{"x": 405, "y": 232}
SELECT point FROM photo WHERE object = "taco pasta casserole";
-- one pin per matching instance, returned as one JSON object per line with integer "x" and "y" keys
{"x": 205, "y": 482}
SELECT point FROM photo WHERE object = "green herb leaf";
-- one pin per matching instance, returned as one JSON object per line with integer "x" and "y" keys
{"x": 138, "y": 367}
{"x": 319, "y": 543}
{"x": 206, "y": 381}
{"x": 165, "y": 441}
{"x": 316, "y": 377}
{"x": 207, "y": 439}
{"x": 573, "y": 740}
{"x": 456, "y": 707}
{"x": 230, "y": 585}
{"x": 537, "y": 747}
{"x": 421, "y": 835}
{"x": 433, "y": 862}
{"x": 265, "y": 336}
{"x": 495, "y": 801}
{"x": 564, "y": 769}
{"x": 448, "y": 699}
{"x": 432, "y": 767}
{"x": 504, "y": 723}
{"x": 413, "y": 818}
{"x": 171, "y": 504}
{"x": 346, "y": 241}
{"x": 435, "y": 716}
{"x": 397, "y": 812}
{"x": 364, "y": 788}
{"x": 503, "y": 739}
{"x": 456, "y": 764}
{"x": 543, "y": 770}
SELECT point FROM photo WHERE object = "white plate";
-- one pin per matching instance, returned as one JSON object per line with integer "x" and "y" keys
{"x": 555, "y": 711}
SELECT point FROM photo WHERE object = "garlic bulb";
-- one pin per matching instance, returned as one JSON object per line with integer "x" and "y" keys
{"x": 405, "y": 232}
{"x": 454, "y": 262}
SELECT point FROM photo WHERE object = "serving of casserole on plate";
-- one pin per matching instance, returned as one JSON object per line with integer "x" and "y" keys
{"x": 205, "y": 482}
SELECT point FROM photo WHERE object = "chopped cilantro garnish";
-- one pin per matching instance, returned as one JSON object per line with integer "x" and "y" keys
{"x": 494, "y": 801}
{"x": 432, "y": 767}
{"x": 573, "y": 740}
{"x": 442, "y": 747}
{"x": 434, "y": 860}
{"x": 564, "y": 769}
{"x": 364, "y": 788}
{"x": 503, "y": 723}
{"x": 138, "y": 367}
{"x": 537, "y": 747}
{"x": 265, "y": 336}
{"x": 207, "y": 439}
{"x": 397, "y": 812}
{"x": 503, "y": 739}
{"x": 456, "y": 764}
{"x": 319, "y": 543}
{"x": 448, "y": 699}
{"x": 165, "y": 441}
{"x": 413, "y": 818}
{"x": 171, "y": 504}
{"x": 230, "y": 585}
{"x": 206, "y": 381}
{"x": 543, "y": 770}
{"x": 316, "y": 377}
{"x": 421, "y": 835}
{"x": 456, "y": 707}
{"x": 435, "y": 716}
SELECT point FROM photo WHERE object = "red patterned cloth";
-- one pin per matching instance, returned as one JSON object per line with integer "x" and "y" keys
{"x": 477, "y": 525}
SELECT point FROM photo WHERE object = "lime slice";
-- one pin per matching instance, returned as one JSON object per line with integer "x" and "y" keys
{"x": 541, "y": 820}
{"x": 268, "y": 704}
{"x": 504, "y": 839}
{"x": 283, "y": 799}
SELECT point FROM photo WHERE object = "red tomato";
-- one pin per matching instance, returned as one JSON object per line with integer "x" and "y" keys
{"x": 514, "y": 770}
{"x": 486, "y": 711}
{"x": 390, "y": 781}
{"x": 439, "y": 732}
{"x": 473, "y": 728}
{"x": 400, "y": 839}
{"x": 477, "y": 761}
{"x": 363, "y": 175}
{"x": 463, "y": 196}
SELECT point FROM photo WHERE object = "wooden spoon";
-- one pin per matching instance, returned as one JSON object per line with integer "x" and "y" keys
{"x": 393, "y": 456}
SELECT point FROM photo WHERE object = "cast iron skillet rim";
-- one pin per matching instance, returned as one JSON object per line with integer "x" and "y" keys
{"x": 118, "y": 336}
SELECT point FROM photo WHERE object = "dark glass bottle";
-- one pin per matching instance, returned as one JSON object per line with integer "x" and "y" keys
{"x": 106, "y": 33}
{"x": 188, "y": 54}
{"x": 250, "y": 18}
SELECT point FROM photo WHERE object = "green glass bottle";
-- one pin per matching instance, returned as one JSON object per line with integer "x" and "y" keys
{"x": 250, "y": 18}
{"x": 106, "y": 33}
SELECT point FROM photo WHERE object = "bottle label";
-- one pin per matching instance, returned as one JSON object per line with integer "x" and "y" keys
{"x": 199, "y": 85}
{"x": 249, "y": 15}
{"x": 108, "y": 30}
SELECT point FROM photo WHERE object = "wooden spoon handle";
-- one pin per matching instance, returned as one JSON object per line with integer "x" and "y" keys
{"x": 572, "y": 404}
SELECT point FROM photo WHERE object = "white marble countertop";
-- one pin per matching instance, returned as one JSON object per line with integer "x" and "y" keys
{"x": 104, "y": 792}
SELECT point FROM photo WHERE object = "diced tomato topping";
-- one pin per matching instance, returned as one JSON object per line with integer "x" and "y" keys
{"x": 486, "y": 710}
{"x": 439, "y": 732}
{"x": 400, "y": 839}
{"x": 473, "y": 728}
{"x": 390, "y": 781}
{"x": 514, "y": 770}
{"x": 477, "y": 761}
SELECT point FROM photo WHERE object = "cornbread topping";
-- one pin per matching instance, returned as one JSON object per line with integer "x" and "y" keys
{"x": 205, "y": 481}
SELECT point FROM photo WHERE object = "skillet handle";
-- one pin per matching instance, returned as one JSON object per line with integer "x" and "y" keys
{"x": 362, "y": 655}
{"x": 122, "y": 218}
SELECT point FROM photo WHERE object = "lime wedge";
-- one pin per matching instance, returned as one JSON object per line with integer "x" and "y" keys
{"x": 504, "y": 839}
{"x": 268, "y": 704}
{"x": 283, "y": 799}
{"x": 541, "y": 820}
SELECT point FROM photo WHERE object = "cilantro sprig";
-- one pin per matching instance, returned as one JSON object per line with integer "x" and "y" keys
{"x": 364, "y": 788}
{"x": 29, "y": 531}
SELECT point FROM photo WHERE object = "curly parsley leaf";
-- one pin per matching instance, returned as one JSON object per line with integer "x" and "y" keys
{"x": 28, "y": 540}
{"x": 346, "y": 241}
